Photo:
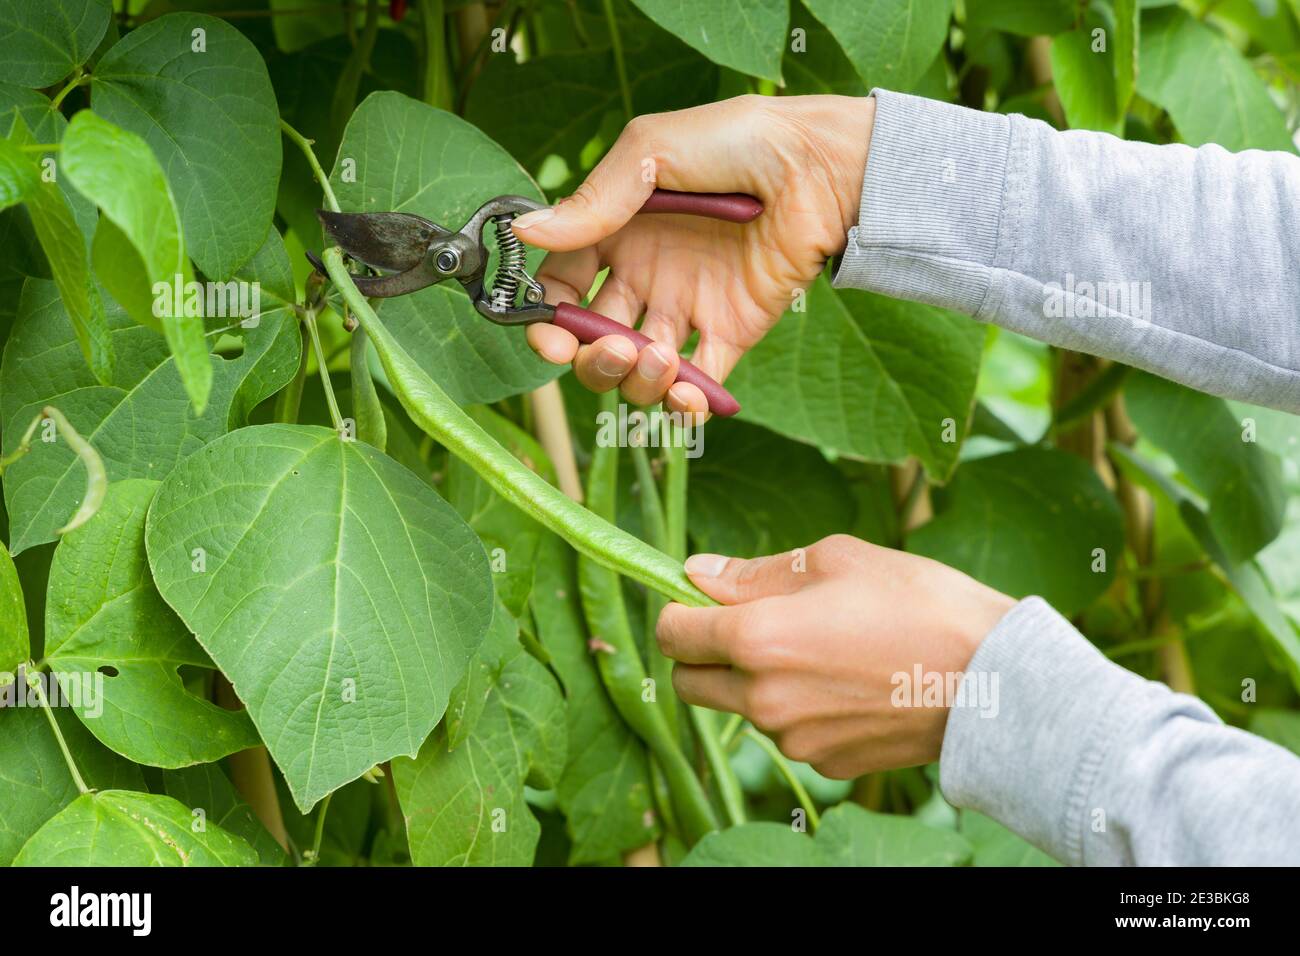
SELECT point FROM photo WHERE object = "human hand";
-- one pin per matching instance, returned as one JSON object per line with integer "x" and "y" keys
{"x": 802, "y": 156}
{"x": 810, "y": 656}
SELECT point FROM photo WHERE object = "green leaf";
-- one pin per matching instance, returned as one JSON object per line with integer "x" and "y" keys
{"x": 1241, "y": 481}
{"x": 206, "y": 788}
{"x": 1210, "y": 91}
{"x": 138, "y": 242}
{"x": 339, "y": 594}
{"x": 210, "y": 117}
{"x": 463, "y": 799}
{"x": 1028, "y": 522}
{"x": 746, "y": 35}
{"x": 140, "y": 423}
{"x": 65, "y": 249}
{"x": 1280, "y": 726}
{"x": 563, "y": 104}
{"x": 851, "y": 835}
{"x": 18, "y": 175}
{"x": 604, "y": 790}
{"x": 105, "y": 622}
{"x": 42, "y": 42}
{"x": 865, "y": 376}
{"x": 1024, "y": 17}
{"x": 121, "y": 828}
{"x": 995, "y": 845}
{"x": 412, "y": 158}
{"x": 1086, "y": 77}
{"x": 294, "y": 32}
{"x": 35, "y": 782}
{"x": 756, "y": 844}
{"x": 818, "y": 65}
{"x": 754, "y": 492}
{"x": 14, "y": 646}
{"x": 891, "y": 42}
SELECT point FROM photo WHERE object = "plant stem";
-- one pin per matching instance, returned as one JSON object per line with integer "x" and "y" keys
{"x": 616, "y": 42}
{"x": 366, "y": 408}
{"x": 314, "y": 858}
{"x": 730, "y": 729}
{"x": 655, "y": 532}
{"x": 305, "y": 144}
{"x": 446, "y": 422}
{"x": 551, "y": 425}
{"x": 322, "y": 366}
{"x": 34, "y": 682}
{"x": 724, "y": 775}
{"x": 250, "y": 772}
{"x": 78, "y": 78}
{"x": 289, "y": 401}
{"x": 437, "y": 85}
{"x": 800, "y": 792}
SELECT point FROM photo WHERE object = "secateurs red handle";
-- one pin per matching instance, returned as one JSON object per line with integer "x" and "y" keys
{"x": 416, "y": 253}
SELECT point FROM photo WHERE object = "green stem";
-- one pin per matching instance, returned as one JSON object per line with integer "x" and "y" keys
{"x": 319, "y": 836}
{"x": 729, "y": 730}
{"x": 305, "y": 144}
{"x": 437, "y": 86}
{"x": 619, "y": 662}
{"x": 33, "y": 681}
{"x": 676, "y": 475}
{"x": 366, "y": 409}
{"x": 783, "y": 765}
{"x": 349, "y": 81}
{"x": 322, "y": 366}
{"x": 655, "y": 532}
{"x": 616, "y": 42}
{"x": 448, "y": 424}
{"x": 289, "y": 401}
{"x": 78, "y": 78}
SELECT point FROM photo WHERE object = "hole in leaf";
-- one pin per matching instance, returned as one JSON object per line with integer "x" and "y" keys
{"x": 108, "y": 670}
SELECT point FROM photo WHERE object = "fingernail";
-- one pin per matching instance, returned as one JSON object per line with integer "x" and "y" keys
{"x": 534, "y": 218}
{"x": 653, "y": 363}
{"x": 613, "y": 363}
{"x": 706, "y": 565}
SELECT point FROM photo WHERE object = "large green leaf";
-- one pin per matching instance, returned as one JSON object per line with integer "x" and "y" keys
{"x": 409, "y": 157}
{"x": 746, "y": 35}
{"x": 1280, "y": 726}
{"x": 41, "y": 42}
{"x": 18, "y": 175}
{"x": 890, "y": 42}
{"x": 141, "y": 423}
{"x": 138, "y": 242}
{"x": 853, "y": 836}
{"x": 337, "y": 591}
{"x": 210, "y": 117}
{"x": 754, "y": 492}
{"x": 817, "y": 64}
{"x": 205, "y": 787}
{"x": 555, "y": 104}
{"x": 121, "y": 828}
{"x": 1210, "y": 91}
{"x": 106, "y": 623}
{"x": 866, "y": 376}
{"x": 61, "y": 240}
{"x": 995, "y": 845}
{"x": 1029, "y": 521}
{"x": 35, "y": 782}
{"x": 14, "y": 646}
{"x": 849, "y": 836}
{"x": 463, "y": 795}
{"x": 1023, "y": 17}
{"x": 1240, "y": 480}
{"x": 1085, "y": 71}
{"x": 605, "y": 788}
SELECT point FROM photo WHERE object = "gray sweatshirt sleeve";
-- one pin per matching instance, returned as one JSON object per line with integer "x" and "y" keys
{"x": 1098, "y": 766}
{"x": 1175, "y": 260}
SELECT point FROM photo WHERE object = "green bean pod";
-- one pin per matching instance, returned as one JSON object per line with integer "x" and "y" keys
{"x": 445, "y": 421}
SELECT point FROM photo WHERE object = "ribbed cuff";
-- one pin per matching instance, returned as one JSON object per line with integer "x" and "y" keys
{"x": 932, "y": 198}
{"x": 1059, "y": 706}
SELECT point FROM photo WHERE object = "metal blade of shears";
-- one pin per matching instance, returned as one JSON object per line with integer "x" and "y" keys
{"x": 392, "y": 241}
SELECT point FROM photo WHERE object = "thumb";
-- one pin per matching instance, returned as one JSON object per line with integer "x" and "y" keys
{"x": 736, "y": 580}
{"x": 610, "y": 196}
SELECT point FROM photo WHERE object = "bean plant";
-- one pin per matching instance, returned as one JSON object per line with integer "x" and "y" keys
{"x": 297, "y": 578}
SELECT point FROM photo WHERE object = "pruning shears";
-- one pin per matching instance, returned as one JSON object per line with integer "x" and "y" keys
{"x": 412, "y": 253}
